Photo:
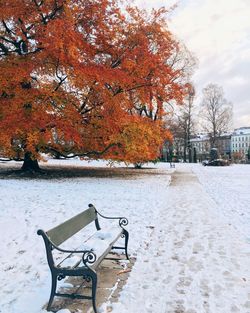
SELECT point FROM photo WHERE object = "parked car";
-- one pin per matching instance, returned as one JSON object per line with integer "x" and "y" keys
{"x": 204, "y": 162}
{"x": 217, "y": 162}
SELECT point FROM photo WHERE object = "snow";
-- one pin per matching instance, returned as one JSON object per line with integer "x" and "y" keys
{"x": 242, "y": 131}
{"x": 229, "y": 187}
{"x": 191, "y": 239}
{"x": 99, "y": 242}
{"x": 195, "y": 262}
{"x": 27, "y": 205}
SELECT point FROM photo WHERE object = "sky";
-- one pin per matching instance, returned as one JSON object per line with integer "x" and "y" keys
{"x": 217, "y": 32}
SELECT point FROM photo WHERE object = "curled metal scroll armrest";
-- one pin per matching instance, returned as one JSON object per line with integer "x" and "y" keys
{"x": 88, "y": 257}
{"x": 123, "y": 221}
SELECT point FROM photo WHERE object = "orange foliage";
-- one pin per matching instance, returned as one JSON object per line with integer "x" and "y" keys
{"x": 84, "y": 78}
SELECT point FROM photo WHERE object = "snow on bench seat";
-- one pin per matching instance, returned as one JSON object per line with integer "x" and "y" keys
{"x": 100, "y": 243}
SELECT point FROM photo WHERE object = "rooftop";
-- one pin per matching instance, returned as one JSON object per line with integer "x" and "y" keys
{"x": 242, "y": 131}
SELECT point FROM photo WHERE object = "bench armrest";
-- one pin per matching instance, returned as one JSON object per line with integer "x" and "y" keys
{"x": 88, "y": 256}
{"x": 70, "y": 251}
{"x": 123, "y": 221}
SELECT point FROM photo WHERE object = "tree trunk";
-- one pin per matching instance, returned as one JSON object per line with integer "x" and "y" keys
{"x": 195, "y": 155}
{"x": 138, "y": 165}
{"x": 190, "y": 155}
{"x": 185, "y": 153}
{"x": 29, "y": 163}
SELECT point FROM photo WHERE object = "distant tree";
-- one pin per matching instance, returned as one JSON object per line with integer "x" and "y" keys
{"x": 237, "y": 156}
{"x": 216, "y": 112}
{"x": 248, "y": 153}
{"x": 185, "y": 123}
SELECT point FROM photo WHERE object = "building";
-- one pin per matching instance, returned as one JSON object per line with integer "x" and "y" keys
{"x": 202, "y": 145}
{"x": 234, "y": 145}
{"x": 224, "y": 145}
{"x": 240, "y": 141}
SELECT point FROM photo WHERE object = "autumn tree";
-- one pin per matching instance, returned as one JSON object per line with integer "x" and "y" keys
{"x": 216, "y": 112}
{"x": 83, "y": 78}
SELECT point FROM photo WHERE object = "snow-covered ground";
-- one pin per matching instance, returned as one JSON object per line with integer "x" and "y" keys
{"x": 230, "y": 188}
{"x": 27, "y": 205}
{"x": 196, "y": 262}
{"x": 192, "y": 246}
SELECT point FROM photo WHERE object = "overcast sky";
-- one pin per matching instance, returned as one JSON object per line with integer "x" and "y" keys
{"x": 218, "y": 33}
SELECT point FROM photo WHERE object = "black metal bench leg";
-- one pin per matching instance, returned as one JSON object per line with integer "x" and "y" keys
{"x": 126, "y": 234}
{"x": 53, "y": 291}
{"x": 94, "y": 286}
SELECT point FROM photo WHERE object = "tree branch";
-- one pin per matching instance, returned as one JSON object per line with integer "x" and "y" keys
{"x": 86, "y": 154}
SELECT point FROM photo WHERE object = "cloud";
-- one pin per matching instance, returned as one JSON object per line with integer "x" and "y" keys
{"x": 218, "y": 33}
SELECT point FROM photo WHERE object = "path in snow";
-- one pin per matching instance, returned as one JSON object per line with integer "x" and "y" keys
{"x": 229, "y": 187}
{"x": 195, "y": 263}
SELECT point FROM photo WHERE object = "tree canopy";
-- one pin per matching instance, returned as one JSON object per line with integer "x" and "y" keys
{"x": 83, "y": 77}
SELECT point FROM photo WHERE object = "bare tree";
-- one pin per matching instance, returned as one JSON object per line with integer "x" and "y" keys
{"x": 216, "y": 112}
{"x": 180, "y": 117}
{"x": 185, "y": 123}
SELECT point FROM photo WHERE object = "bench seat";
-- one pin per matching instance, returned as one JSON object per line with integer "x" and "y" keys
{"x": 101, "y": 243}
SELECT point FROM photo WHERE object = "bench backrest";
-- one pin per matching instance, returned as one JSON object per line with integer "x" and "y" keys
{"x": 64, "y": 231}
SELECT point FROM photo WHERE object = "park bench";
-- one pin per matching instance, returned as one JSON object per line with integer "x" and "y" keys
{"x": 98, "y": 244}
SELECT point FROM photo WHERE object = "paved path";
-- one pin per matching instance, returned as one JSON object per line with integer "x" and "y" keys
{"x": 196, "y": 262}
{"x": 211, "y": 258}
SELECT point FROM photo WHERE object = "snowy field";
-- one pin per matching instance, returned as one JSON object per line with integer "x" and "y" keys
{"x": 230, "y": 188}
{"x": 197, "y": 261}
{"x": 27, "y": 205}
{"x": 147, "y": 202}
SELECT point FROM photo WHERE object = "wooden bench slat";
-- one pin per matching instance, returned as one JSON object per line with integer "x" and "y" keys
{"x": 67, "y": 229}
{"x": 102, "y": 255}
